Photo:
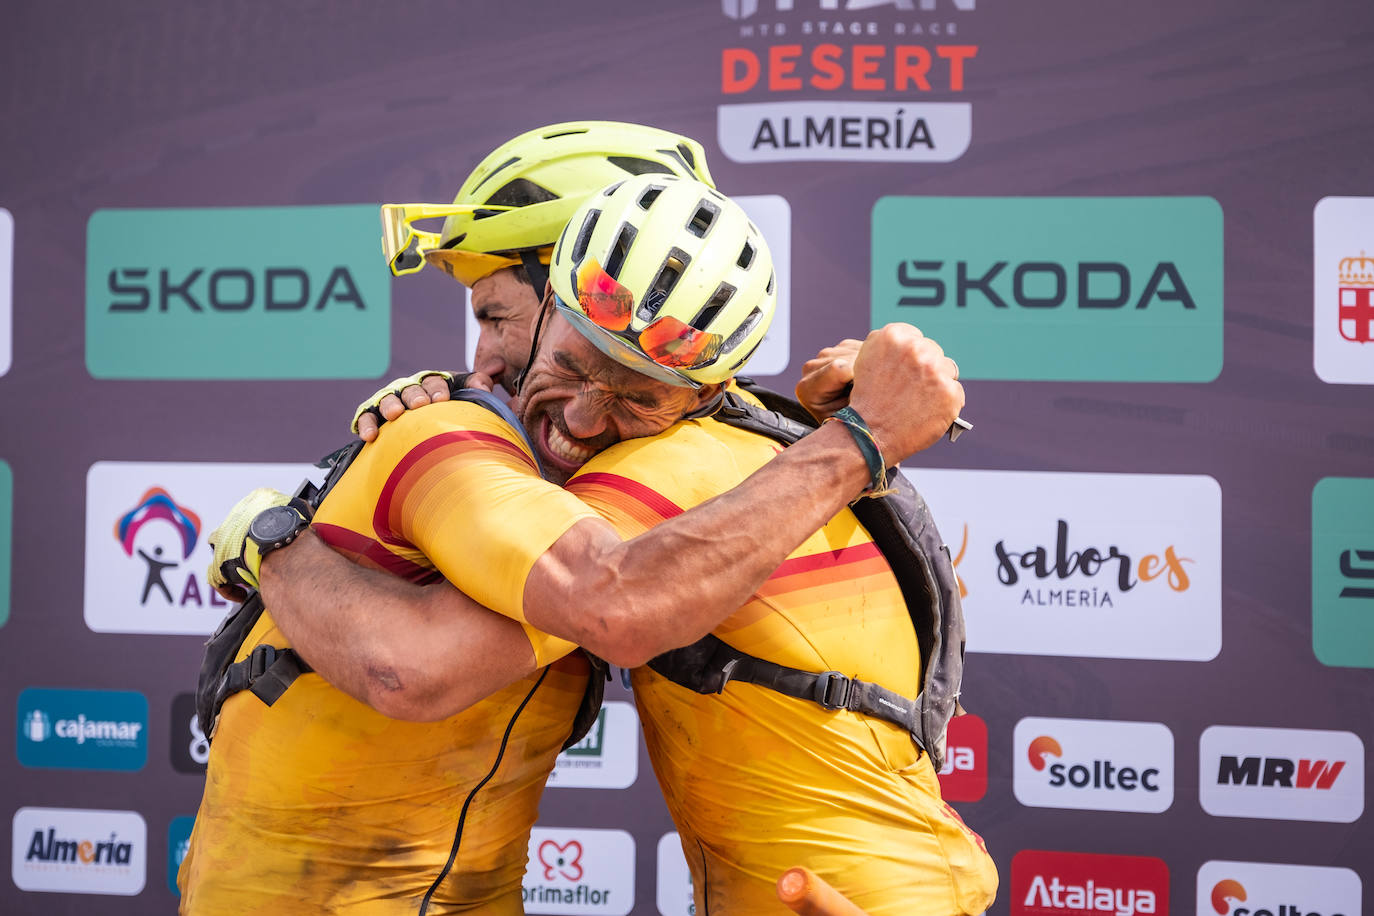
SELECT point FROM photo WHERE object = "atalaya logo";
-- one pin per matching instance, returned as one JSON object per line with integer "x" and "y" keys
{"x": 146, "y": 548}
{"x": 82, "y": 729}
{"x": 1282, "y": 773}
{"x": 773, "y": 216}
{"x": 1257, "y": 889}
{"x": 608, "y": 757}
{"x": 234, "y": 293}
{"x": 964, "y": 777}
{"x": 579, "y": 871}
{"x": 1343, "y": 290}
{"x": 855, "y": 80}
{"x": 1097, "y": 764}
{"x": 1343, "y": 571}
{"x": 1109, "y": 289}
{"x": 1101, "y": 565}
{"x": 74, "y": 851}
{"x": 1087, "y": 884}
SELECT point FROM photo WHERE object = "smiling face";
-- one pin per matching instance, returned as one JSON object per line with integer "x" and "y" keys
{"x": 576, "y": 401}
{"x": 505, "y": 306}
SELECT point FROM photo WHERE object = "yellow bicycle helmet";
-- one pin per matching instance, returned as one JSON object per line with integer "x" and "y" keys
{"x": 668, "y": 276}
{"x": 511, "y": 208}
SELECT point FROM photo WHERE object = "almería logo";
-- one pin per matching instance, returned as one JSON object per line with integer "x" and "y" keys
{"x": 77, "y": 851}
{"x": 1355, "y": 317}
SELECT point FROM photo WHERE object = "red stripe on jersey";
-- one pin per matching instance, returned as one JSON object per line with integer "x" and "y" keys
{"x": 370, "y": 553}
{"x": 664, "y": 507}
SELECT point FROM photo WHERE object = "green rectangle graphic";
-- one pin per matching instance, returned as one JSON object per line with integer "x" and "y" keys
{"x": 1343, "y": 571}
{"x": 1122, "y": 289}
{"x": 237, "y": 293}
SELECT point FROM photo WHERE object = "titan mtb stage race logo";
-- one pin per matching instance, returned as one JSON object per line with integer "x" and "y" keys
{"x": 1097, "y": 565}
{"x": 1259, "y": 889}
{"x": 580, "y": 871}
{"x": 1343, "y": 571}
{"x": 72, "y": 851}
{"x": 673, "y": 893}
{"x": 964, "y": 777}
{"x": 1281, "y": 773}
{"x": 146, "y": 548}
{"x": 607, "y": 758}
{"x": 1343, "y": 290}
{"x": 82, "y": 729}
{"x": 1087, "y": 884}
{"x": 6, "y": 290}
{"x": 1093, "y": 764}
{"x": 1056, "y": 289}
{"x": 257, "y": 293}
{"x": 859, "y": 80}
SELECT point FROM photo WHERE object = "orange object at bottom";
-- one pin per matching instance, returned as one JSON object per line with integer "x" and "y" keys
{"x": 806, "y": 893}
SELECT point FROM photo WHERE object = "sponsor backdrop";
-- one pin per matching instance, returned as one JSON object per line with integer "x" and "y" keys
{"x": 1144, "y": 230}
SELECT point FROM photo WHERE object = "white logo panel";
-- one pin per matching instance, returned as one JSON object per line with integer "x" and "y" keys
{"x": 1094, "y": 565}
{"x": 6, "y": 290}
{"x": 772, "y": 214}
{"x": 674, "y": 893}
{"x": 1343, "y": 290}
{"x": 73, "y": 851}
{"x": 1093, "y": 764}
{"x": 1260, "y": 889}
{"x": 580, "y": 870}
{"x": 147, "y": 532}
{"x": 1281, "y": 773}
{"x": 844, "y": 131}
{"x": 608, "y": 757}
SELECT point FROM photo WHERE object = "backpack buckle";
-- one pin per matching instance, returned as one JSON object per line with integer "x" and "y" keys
{"x": 832, "y": 690}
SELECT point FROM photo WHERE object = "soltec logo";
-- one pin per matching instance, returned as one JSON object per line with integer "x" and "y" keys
{"x": 1093, "y": 764}
{"x": 1111, "y": 289}
{"x": 1343, "y": 572}
{"x": 190, "y": 749}
{"x": 146, "y": 553}
{"x": 608, "y": 757}
{"x": 1281, "y": 773}
{"x": 74, "y": 851}
{"x": 232, "y": 293}
{"x": 964, "y": 777}
{"x": 1087, "y": 884}
{"x": 1258, "y": 889}
{"x": 1343, "y": 290}
{"x": 82, "y": 729}
{"x": 579, "y": 871}
{"x": 1098, "y": 565}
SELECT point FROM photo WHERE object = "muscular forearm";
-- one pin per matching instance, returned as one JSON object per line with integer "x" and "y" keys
{"x": 628, "y": 601}
{"x": 386, "y": 642}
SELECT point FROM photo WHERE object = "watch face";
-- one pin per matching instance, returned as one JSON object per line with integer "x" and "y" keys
{"x": 274, "y": 524}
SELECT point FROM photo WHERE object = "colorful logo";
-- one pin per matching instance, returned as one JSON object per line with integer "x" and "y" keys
{"x": 1087, "y": 884}
{"x": 1343, "y": 572}
{"x": 964, "y": 776}
{"x": 233, "y": 293}
{"x": 1262, "y": 889}
{"x": 1097, "y": 565}
{"x": 579, "y": 871}
{"x": 1111, "y": 289}
{"x": 157, "y": 505}
{"x": 82, "y": 729}
{"x": 563, "y": 859}
{"x": 1103, "y": 765}
{"x": 178, "y": 845}
{"x": 73, "y": 851}
{"x": 1343, "y": 290}
{"x": 1281, "y": 773}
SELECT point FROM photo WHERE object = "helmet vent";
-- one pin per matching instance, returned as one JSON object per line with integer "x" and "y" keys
{"x": 688, "y": 161}
{"x": 659, "y": 290}
{"x": 637, "y": 166}
{"x": 493, "y": 173}
{"x": 741, "y": 332}
{"x": 685, "y": 152}
{"x": 608, "y": 191}
{"x": 520, "y": 192}
{"x": 619, "y": 250}
{"x": 584, "y": 235}
{"x": 565, "y": 133}
{"x": 768, "y": 290}
{"x": 746, "y": 256}
{"x": 745, "y": 358}
{"x": 455, "y": 241}
{"x": 702, "y": 220}
{"x": 646, "y": 200}
{"x": 718, "y": 301}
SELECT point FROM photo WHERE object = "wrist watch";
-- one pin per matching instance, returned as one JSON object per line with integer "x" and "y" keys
{"x": 276, "y": 527}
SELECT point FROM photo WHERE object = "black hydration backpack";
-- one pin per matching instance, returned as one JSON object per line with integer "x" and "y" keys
{"x": 901, "y": 525}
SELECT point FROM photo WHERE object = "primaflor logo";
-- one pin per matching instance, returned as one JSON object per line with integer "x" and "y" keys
{"x": 1093, "y": 764}
{"x": 1102, "y": 565}
{"x": 1258, "y": 889}
{"x": 579, "y": 871}
{"x": 146, "y": 547}
{"x": 1343, "y": 290}
{"x": 73, "y": 851}
{"x": 856, "y": 80}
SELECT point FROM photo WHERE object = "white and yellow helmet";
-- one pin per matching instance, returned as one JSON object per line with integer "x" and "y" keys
{"x": 668, "y": 276}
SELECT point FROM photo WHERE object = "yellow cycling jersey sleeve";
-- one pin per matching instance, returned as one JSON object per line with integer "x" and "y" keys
{"x": 454, "y": 483}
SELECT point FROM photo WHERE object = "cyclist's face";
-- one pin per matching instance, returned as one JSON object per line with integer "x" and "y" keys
{"x": 505, "y": 307}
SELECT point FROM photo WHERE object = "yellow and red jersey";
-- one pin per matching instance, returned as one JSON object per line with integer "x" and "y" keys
{"x": 319, "y": 804}
{"x": 757, "y": 781}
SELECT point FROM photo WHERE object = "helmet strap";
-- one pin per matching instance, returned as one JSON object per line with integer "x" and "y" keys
{"x": 537, "y": 272}
{"x": 707, "y": 409}
{"x": 534, "y": 340}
